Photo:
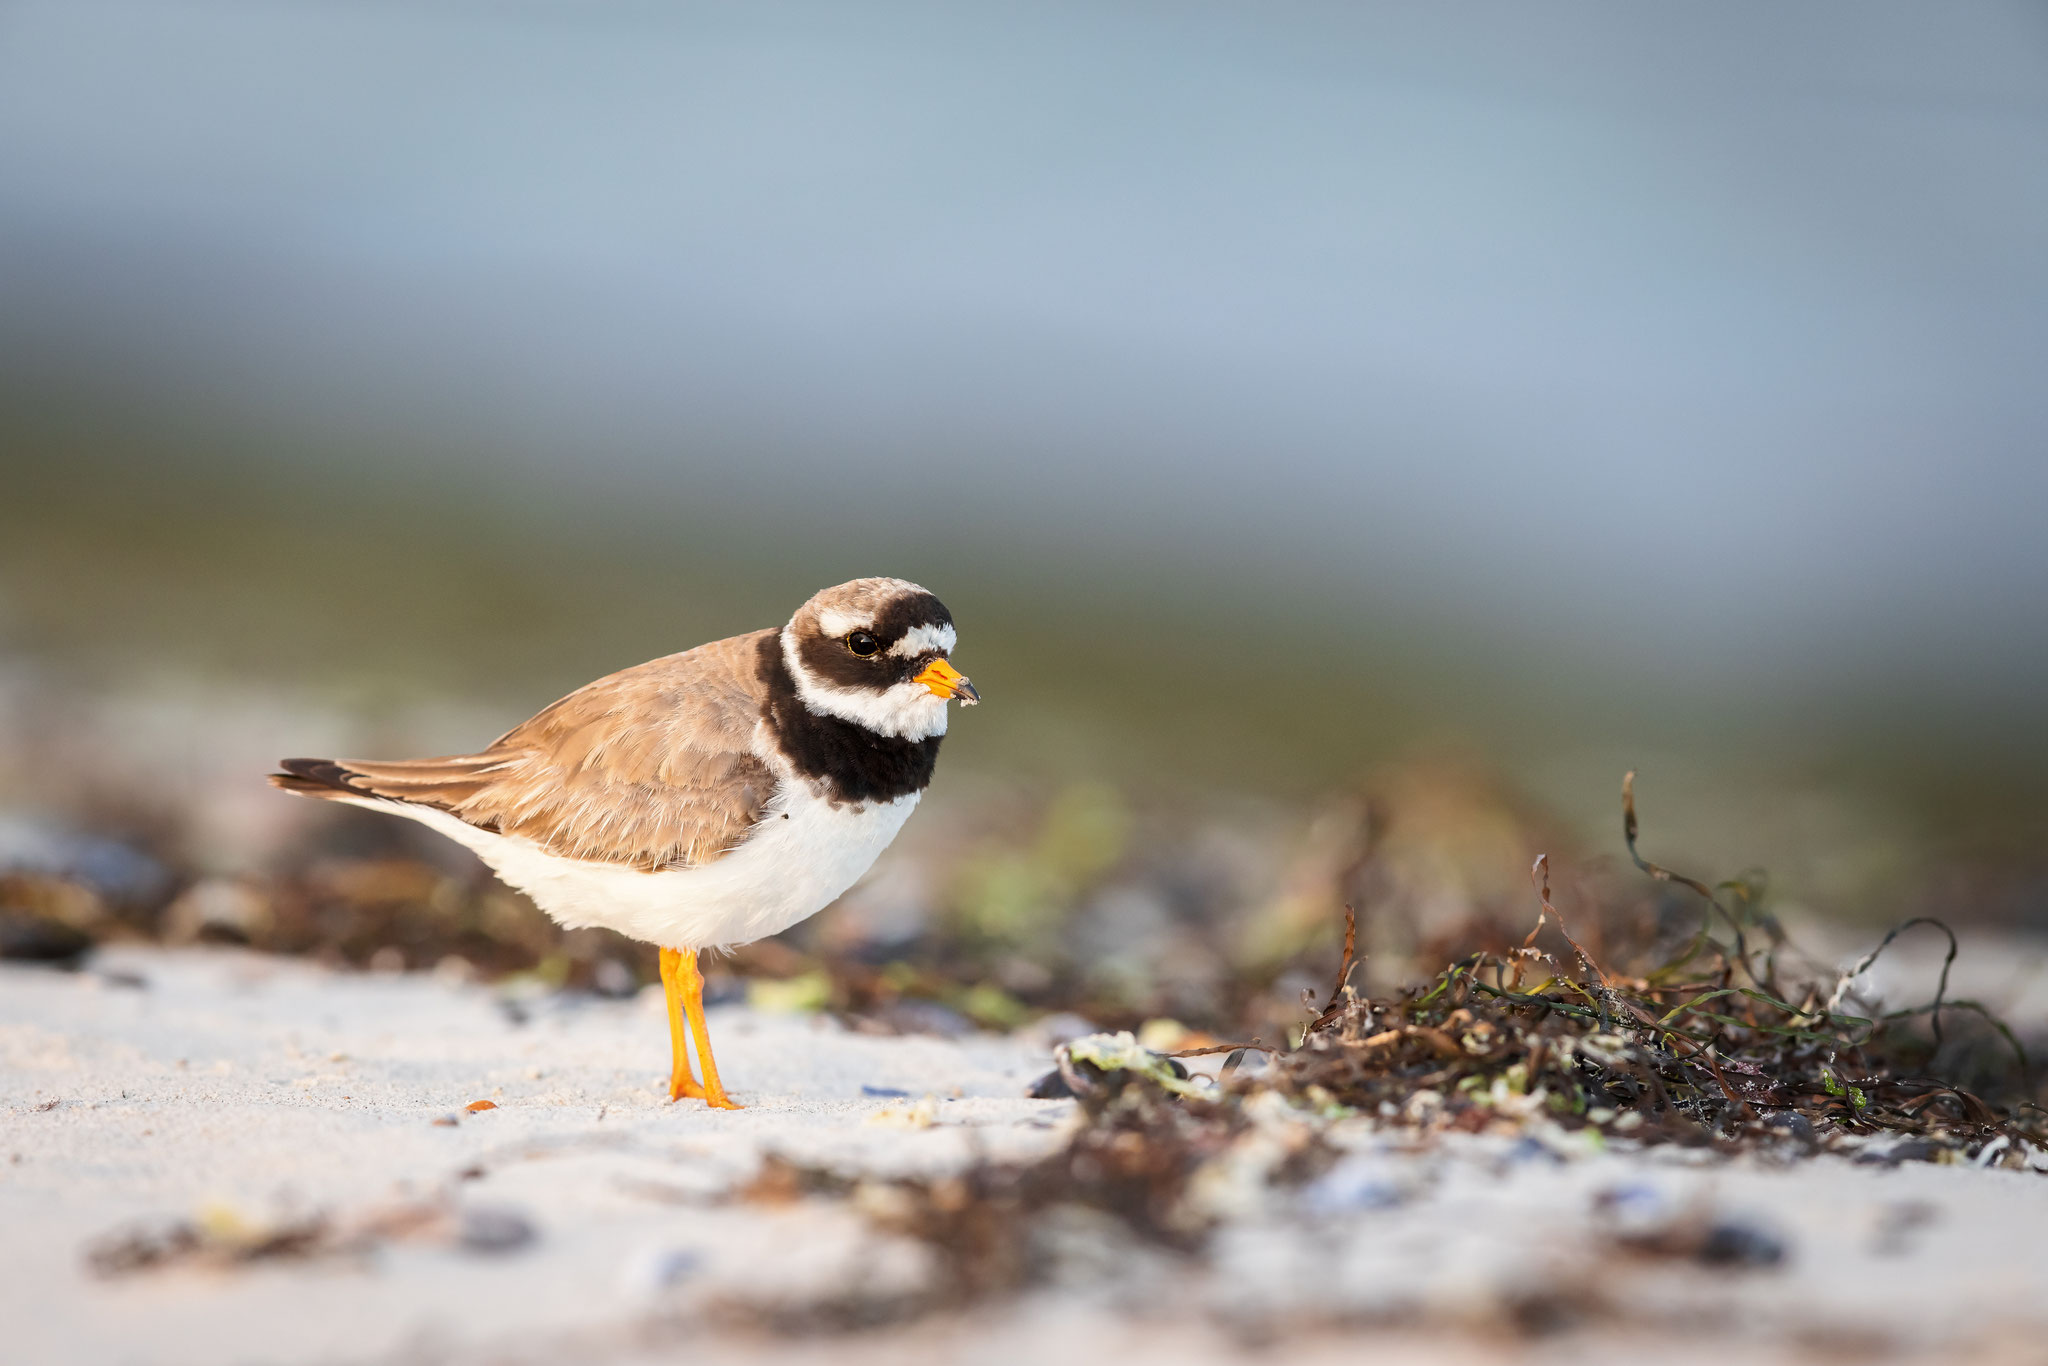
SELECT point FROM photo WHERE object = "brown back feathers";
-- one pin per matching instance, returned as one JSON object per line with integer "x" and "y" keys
{"x": 652, "y": 767}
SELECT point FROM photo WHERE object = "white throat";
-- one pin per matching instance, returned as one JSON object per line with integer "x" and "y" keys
{"x": 907, "y": 711}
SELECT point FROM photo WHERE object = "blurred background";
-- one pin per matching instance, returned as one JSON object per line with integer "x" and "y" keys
{"x": 1349, "y": 436}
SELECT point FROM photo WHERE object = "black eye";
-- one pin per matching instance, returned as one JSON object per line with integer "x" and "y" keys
{"x": 863, "y": 644}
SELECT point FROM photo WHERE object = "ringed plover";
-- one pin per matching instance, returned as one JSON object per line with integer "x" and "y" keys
{"x": 702, "y": 800}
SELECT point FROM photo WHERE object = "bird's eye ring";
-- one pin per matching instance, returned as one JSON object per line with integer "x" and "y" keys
{"x": 863, "y": 644}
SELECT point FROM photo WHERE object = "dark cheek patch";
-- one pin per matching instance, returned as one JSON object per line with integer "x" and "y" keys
{"x": 831, "y": 663}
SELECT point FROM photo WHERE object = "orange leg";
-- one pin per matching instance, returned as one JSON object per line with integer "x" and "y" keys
{"x": 683, "y": 985}
{"x": 682, "y": 1082}
{"x": 692, "y": 984}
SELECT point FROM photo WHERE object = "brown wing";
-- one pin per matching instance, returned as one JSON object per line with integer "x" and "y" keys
{"x": 652, "y": 767}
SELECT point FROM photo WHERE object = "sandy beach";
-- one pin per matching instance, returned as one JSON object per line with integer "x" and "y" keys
{"x": 224, "y": 1099}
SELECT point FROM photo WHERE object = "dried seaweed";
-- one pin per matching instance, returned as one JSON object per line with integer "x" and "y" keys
{"x": 1143, "y": 1136}
{"x": 1709, "y": 1046}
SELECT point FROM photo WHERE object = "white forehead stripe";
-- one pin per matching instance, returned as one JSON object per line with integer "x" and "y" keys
{"x": 833, "y": 622}
{"x": 924, "y": 640}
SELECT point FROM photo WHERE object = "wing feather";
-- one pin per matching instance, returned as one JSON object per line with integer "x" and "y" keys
{"x": 653, "y": 767}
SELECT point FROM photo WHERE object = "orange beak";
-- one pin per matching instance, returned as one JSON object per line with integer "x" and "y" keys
{"x": 946, "y": 681}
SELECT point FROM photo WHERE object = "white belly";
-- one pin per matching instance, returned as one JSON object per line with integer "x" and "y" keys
{"x": 798, "y": 860}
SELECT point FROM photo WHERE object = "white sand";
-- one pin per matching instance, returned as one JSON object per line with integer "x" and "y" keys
{"x": 234, "y": 1087}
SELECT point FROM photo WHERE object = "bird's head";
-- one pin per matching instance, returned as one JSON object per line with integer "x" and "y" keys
{"x": 875, "y": 652}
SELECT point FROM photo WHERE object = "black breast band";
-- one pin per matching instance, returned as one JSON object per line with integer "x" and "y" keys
{"x": 854, "y": 763}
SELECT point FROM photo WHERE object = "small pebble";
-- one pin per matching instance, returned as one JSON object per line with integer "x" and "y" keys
{"x": 26, "y": 937}
{"x": 1051, "y": 1086}
{"x": 493, "y": 1229}
{"x": 1733, "y": 1242}
{"x": 1791, "y": 1124}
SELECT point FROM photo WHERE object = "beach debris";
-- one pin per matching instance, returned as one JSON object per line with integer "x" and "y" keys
{"x": 922, "y": 1114}
{"x": 104, "y": 879}
{"x": 1096, "y": 1064}
{"x": 1715, "y": 1045}
{"x": 220, "y": 1237}
{"x": 1145, "y": 1131}
{"x": 1051, "y": 1086}
{"x": 1740, "y": 1243}
{"x": 479, "y": 1106}
{"x": 780, "y": 1181}
{"x": 217, "y": 910}
{"x": 27, "y": 937}
{"x": 1648, "y": 1219}
{"x": 216, "y": 1237}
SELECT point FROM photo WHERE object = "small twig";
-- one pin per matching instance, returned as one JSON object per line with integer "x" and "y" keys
{"x": 1335, "y": 1006}
{"x": 1663, "y": 874}
{"x": 1539, "y": 874}
{"x": 1940, "y": 988}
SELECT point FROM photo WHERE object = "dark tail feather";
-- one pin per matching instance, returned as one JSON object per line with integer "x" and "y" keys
{"x": 444, "y": 784}
{"x": 317, "y": 778}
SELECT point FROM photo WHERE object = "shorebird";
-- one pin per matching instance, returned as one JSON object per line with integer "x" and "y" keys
{"x": 701, "y": 800}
